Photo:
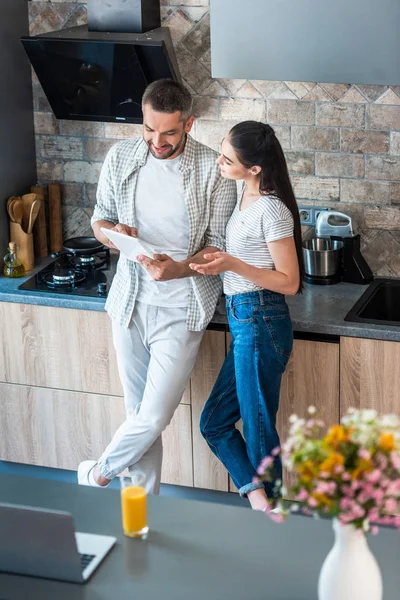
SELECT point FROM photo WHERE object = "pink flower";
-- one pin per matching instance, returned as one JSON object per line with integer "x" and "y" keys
{"x": 364, "y": 454}
{"x": 265, "y": 463}
{"x": 338, "y": 469}
{"x": 312, "y": 502}
{"x": 373, "y": 515}
{"x": 374, "y": 530}
{"x": 276, "y": 451}
{"x": 395, "y": 458}
{"x": 382, "y": 461}
{"x": 346, "y": 476}
{"x": 393, "y": 489}
{"x": 378, "y": 496}
{"x": 375, "y": 476}
{"x": 302, "y": 495}
{"x": 391, "y": 506}
{"x": 277, "y": 518}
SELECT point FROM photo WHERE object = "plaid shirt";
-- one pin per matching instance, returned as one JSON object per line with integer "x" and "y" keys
{"x": 209, "y": 199}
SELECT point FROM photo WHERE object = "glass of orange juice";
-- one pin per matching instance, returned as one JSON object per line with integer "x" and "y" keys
{"x": 134, "y": 506}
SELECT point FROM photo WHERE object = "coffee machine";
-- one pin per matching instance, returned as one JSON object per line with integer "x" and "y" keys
{"x": 334, "y": 254}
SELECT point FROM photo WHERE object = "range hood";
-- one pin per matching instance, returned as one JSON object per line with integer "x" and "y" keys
{"x": 100, "y": 75}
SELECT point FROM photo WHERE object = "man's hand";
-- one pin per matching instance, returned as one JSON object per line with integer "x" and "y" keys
{"x": 219, "y": 263}
{"x": 125, "y": 229}
{"x": 162, "y": 268}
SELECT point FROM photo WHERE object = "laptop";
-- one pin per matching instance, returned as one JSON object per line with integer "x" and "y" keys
{"x": 43, "y": 543}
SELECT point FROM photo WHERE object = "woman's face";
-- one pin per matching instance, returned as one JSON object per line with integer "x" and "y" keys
{"x": 229, "y": 164}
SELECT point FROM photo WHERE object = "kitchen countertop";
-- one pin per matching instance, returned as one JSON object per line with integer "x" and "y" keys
{"x": 319, "y": 310}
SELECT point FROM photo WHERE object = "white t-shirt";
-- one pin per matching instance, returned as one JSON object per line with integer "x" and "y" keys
{"x": 247, "y": 235}
{"x": 163, "y": 222}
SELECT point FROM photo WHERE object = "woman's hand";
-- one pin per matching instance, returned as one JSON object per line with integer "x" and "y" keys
{"x": 219, "y": 262}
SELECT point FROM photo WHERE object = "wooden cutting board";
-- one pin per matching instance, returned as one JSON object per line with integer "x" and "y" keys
{"x": 40, "y": 227}
{"x": 55, "y": 217}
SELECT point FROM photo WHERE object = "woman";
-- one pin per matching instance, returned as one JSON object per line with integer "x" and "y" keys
{"x": 263, "y": 262}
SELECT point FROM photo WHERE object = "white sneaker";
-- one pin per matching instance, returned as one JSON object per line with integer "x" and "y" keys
{"x": 275, "y": 511}
{"x": 84, "y": 472}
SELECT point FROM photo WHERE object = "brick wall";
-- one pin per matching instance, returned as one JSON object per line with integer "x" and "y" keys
{"x": 342, "y": 141}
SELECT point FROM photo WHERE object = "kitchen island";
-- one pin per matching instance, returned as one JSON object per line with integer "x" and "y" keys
{"x": 61, "y": 399}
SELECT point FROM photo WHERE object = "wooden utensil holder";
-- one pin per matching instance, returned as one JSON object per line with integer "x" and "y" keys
{"x": 24, "y": 243}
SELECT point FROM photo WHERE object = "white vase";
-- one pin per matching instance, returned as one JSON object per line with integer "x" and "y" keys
{"x": 350, "y": 571}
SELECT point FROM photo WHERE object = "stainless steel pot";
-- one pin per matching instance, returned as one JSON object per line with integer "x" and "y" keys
{"x": 322, "y": 256}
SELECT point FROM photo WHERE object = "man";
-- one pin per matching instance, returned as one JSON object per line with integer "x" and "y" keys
{"x": 166, "y": 188}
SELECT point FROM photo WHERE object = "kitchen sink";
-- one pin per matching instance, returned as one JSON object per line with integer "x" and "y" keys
{"x": 380, "y": 304}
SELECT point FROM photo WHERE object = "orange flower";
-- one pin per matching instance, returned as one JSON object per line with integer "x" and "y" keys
{"x": 363, "y": 466}
{"x": 337, "y": 434}
{"x": 387, "y": 443}
{"x": 333, "y": 460}
{"x": 322, "y": 499}
{"x": 307, "y": 471}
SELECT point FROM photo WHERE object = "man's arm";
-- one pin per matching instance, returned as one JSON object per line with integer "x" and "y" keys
{"x": 105, "y": 211}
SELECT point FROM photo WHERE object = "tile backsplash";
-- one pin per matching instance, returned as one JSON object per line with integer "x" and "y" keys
{"x": 342, "y": 141}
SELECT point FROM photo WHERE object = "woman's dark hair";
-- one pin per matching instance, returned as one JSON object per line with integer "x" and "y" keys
{"x": 256, "y": 144}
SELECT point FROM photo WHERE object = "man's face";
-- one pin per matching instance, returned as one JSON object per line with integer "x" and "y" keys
{"x": 165, "y": 133}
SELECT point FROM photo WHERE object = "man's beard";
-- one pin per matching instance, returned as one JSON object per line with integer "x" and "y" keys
{"x": 171, "y": 151}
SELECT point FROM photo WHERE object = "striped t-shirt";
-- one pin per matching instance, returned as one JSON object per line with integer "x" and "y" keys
{"x": 247, "y": 235}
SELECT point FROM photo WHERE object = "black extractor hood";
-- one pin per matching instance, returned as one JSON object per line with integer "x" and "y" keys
{"x": 92, "y": 75}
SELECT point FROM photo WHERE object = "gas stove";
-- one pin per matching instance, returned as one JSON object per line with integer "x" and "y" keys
{"x": 75, "y": 274}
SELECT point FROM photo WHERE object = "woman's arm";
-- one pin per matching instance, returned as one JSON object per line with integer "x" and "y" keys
{"x": 285, "y": 279}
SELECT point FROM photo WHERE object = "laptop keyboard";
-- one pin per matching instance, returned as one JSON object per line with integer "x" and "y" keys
{"x": 86, "y": 559}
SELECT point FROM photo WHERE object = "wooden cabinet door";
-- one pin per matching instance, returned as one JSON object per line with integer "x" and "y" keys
{"x": 311, "y": 379}
{"x": 55, "y": 428}
{"x": 208, "y": 471}
{"x": 59, "y": 348}
{"x": 369, "y": 375}
{"x": 177, "y": 466}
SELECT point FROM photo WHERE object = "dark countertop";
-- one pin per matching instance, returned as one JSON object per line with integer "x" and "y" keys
{"x": 319, "y": 310}
{"x": 195, "y": 550}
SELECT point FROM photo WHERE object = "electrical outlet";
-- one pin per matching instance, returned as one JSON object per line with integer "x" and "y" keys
{"x": 306, "y": 215}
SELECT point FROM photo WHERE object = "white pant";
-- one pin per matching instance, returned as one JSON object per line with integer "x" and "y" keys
{"x": 155, "y": 355}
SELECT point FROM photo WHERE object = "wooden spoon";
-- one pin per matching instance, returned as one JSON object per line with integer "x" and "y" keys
{"x": 27, "y": 200}
{"x": 36, "y": 206}
{"x": 10, "y": 205}
{"x": 18, "y": 210}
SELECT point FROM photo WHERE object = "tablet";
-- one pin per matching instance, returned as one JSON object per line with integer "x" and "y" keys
{"x": 128, "y": 245}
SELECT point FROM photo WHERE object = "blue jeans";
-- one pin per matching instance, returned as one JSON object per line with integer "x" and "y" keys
{"x": 248, "y": 387}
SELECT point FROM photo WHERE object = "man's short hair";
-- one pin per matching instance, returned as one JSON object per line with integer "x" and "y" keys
{"x": 168, "y": 96}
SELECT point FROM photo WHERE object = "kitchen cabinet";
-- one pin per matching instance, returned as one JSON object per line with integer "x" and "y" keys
{"x": 58, "y": 348}
{"x": 60, "y": 395}
{"x": 370, "y": 374}
{"x": 208, "y": 471}
{"x": 311, "y": 379}
{"x": 59, "y": 428}
{"x": 61, "y": 399}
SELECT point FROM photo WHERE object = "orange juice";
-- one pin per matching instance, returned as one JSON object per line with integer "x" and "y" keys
{"x": 134, "y": 511}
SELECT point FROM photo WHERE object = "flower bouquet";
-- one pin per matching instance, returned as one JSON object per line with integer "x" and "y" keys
{"x": 351, "y": 472}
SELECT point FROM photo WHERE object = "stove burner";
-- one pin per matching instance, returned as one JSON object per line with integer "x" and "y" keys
{"x": 86, "y": 259}
{"x": 63, "y": 277}
{"x": 86, "y": 262}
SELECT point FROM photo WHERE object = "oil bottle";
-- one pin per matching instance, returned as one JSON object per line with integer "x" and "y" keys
{"x": 12, "y": 266}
